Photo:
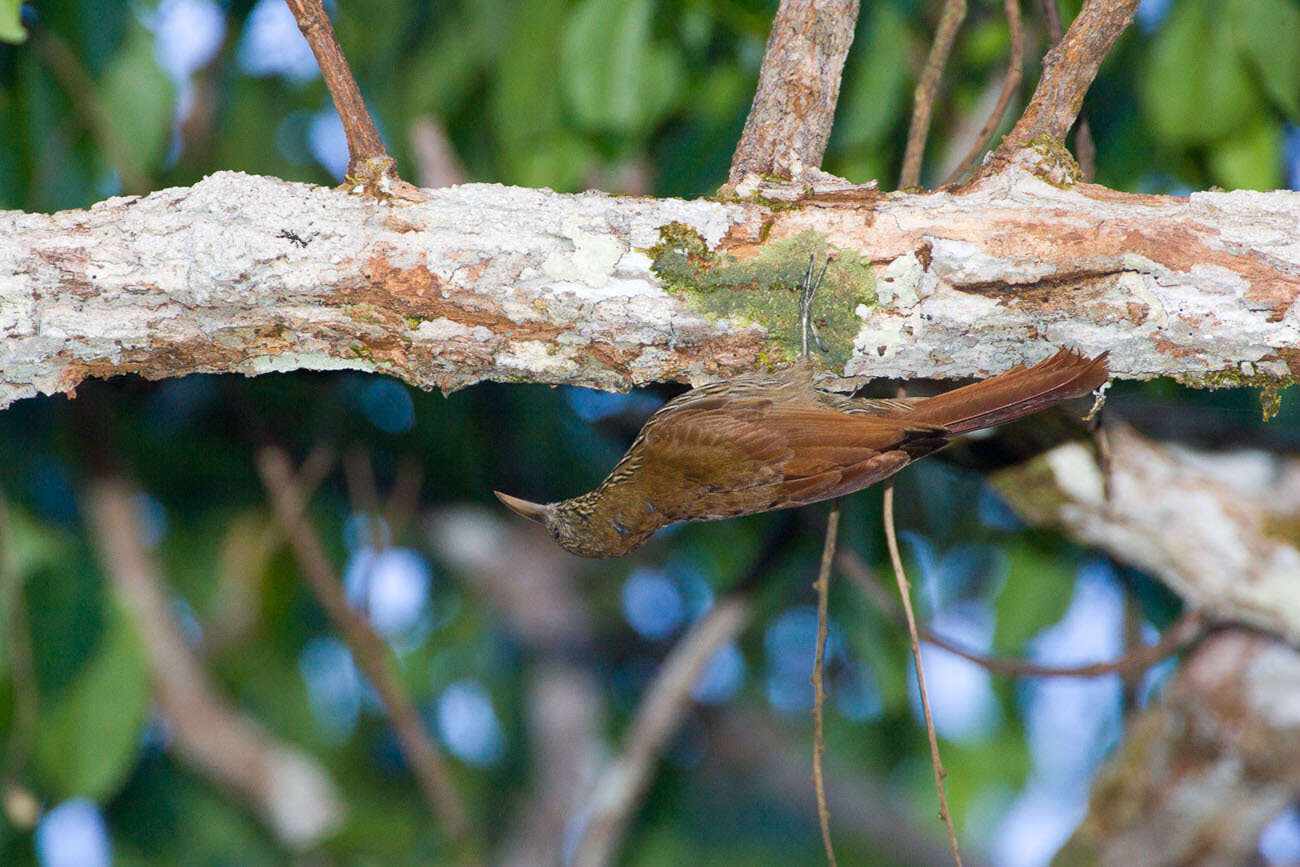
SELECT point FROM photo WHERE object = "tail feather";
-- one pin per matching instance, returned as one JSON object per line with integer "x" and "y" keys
{"x": 1014, "y": 394}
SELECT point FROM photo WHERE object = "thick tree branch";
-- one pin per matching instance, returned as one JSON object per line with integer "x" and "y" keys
{"x": 254, "y": 275}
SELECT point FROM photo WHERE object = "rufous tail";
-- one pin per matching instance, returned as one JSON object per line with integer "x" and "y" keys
{"x": 1019, "y": 392}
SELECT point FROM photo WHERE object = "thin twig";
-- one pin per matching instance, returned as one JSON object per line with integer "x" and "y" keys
{"x": 372, "y": 655}
{"x": 368, "y": 160}
{"x": 1009, "y": 87}
{"x": 1186, "y": 630}
{"x": 823, "y": 586}
{"x": 623, "y": 779}
{"x": 954, "y": 12}
{"x": 904, "y": 591}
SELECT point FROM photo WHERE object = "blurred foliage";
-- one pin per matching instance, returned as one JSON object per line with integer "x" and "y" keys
{"x": 626, "y": 95}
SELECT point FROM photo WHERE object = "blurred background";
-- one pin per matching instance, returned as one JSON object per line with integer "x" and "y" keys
{"x": 525, "y": 665}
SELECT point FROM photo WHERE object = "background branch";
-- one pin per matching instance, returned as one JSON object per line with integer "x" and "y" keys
{"x": 372, "y": 655}
{"x": 1010, "y": 84}
{"x": 619, "y": 786}
{"x": 288, "y": 788}
{"x": 1201, "y": 522}
{"x": 1205, "y": 768}
{"x": 950, "y": 19}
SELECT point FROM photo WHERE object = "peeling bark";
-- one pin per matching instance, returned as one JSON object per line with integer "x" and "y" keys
{"x": 253, "y": 275}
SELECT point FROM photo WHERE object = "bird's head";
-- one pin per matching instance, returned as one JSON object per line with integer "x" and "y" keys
{"x": 579, "y": 525}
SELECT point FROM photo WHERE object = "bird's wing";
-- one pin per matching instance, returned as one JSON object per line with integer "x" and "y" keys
{"x": 742, "y": 458}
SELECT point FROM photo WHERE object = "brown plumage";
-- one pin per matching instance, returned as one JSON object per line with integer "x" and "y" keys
{"x": 765, "y": 441}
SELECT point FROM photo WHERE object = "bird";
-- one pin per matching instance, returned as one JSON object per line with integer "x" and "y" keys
{"x": 762, "y": 441}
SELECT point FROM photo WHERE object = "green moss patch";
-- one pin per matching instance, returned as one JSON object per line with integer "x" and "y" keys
{"x": 764, "y": 289}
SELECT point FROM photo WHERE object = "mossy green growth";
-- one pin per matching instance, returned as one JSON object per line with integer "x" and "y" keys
{"x": 1060, "y": 159}
{"x": 764, "y": 289}
{"x": 1270, "y": 386}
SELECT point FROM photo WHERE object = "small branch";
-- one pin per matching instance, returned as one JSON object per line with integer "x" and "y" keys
{"x": 790, "y": 119}
{"x": 372, "y": 655}
{"x": 620, "y": 785}
{"x": 1084, "y": 149}
{"x": 1187, "y": 630}
{"x": 1009, "y": 87}
{"x": 823, "y": 586}
{"x": 1068, "y": 71}
{"x": 368, "y": 161}
{"x": 905, "y": 592}
{"x": 954, "y": 12}
{"x": 287, "y": 787}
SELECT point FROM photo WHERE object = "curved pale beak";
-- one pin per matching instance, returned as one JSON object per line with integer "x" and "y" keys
{"x": 532, "y": 511}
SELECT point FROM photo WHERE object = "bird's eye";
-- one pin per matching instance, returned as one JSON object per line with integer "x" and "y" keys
{"x": 621, "y": 530}
{"x": 555, "y": 533}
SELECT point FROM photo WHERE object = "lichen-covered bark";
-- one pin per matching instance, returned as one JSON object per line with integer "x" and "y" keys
{"x": 250, "y": 275}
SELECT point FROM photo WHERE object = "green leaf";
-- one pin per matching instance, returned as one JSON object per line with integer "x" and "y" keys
{"x": 1197, "y": 88}
{"x": 525, "y": 104}
{"x": 876, "y": 82}
{"x": 1035, "y": 594}
{"x": 1249, "y": 160}
{"x": 89, "y": 740}
{"x": 1268, "y": 33}
{"x": 139, "y": 100}
{"x": 11, "y": 25}
{"x": 616, "y": 78}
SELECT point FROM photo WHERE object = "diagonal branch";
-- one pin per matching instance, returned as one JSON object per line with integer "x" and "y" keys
{"x": 1010, "y": 85}
{"x": 368, "y": 161}
{"x": 1068, "y": 71}
{"x": 950, "y": 20}
{"x": 372, "y": 655}
{"x": 288, "y": 788}
{"x": 618, "y": 789}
